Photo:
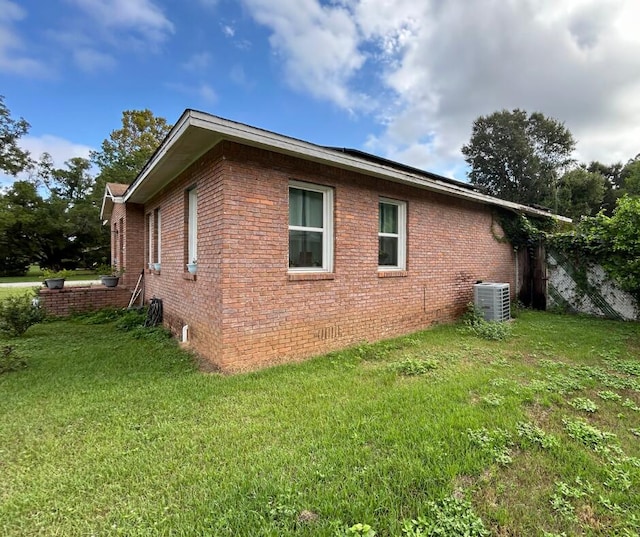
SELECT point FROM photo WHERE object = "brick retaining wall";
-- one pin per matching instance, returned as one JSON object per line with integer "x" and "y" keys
{"x": 64, "y": 302}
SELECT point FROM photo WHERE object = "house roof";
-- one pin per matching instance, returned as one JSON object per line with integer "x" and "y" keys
{"x": 114, "y": 193}
{"x": 196, "y": 132}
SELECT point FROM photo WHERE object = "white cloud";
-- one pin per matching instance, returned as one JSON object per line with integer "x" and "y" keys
{"x": 239, "y": 76}
{"x": 318, "y": 45}
{"x": 135, "y": 17}
{"x": 198, "y": 62}
{"x": 93, "y": 61}
{"x": 13, "y": 59}
{"x": 202, "y": 92}
{"x": 439, "y": 65}
{"x": 60, "y": 150}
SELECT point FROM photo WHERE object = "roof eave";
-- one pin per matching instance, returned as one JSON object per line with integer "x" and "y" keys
{"x": 196, "y": 133}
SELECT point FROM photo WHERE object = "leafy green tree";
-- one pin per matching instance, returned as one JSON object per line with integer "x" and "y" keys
{"x": 127, "y": 149}
{"x": 580, "y": 193}
{"x": 71, "y": 234}
{"x": 631, "y": 178}
{"x": 613, "y": 183}
{"x": 518, "y": 156}
{"x": 20, "y": 224}
{"x": 12, "y": 159}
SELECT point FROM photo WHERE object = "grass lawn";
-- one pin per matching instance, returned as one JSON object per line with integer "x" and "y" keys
{"x": 11, "y": 291}
{"x": 34, "y": 274}
{"x": 109, "y": 433}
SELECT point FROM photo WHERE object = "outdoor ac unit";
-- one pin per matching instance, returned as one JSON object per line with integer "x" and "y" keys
{"x": 493, "y": 300}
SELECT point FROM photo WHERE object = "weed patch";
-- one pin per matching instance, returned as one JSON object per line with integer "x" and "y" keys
{"x": 411, "y": 366}
{"x": 450, "y": 516}
{"x": 11, "y": 360}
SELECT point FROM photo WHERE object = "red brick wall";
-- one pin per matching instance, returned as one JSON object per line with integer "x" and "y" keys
{"x": 187, "y": 300}
{"x": 243, "y": 308}
{"x": 68, "y": 300}
{"x": 128, "y": 229}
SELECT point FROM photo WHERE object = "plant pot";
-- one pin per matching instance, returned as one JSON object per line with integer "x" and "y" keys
{"x": 192, "y": 268}
{"x": 156, "y": 266}
{"x": 54, "y": 283}
{"x": 110, "y": 281}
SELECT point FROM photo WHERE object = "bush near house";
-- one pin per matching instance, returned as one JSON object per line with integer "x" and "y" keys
{"x": 17, "y": 313}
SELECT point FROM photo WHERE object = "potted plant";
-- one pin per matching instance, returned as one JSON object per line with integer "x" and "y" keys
{"x": 193, "y": 266}
{"x": 54, "y": 279}
{"x": 112, "y": 279}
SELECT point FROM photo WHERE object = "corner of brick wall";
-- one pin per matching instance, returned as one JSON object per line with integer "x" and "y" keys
{"x": 66, "y": 301}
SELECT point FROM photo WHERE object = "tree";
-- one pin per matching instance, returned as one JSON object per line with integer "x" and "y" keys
{"x": 580, "y": 193}
{"x": 519, "y": 157}
{"x": 631, "y": 178}
{"x": 12, "y": 159}
{"x": 72, "y": 184}
{"x": 613, "y": 183}
{"x": 71, "y": 233}
{"x": 20, "y": 223}
{"x": 127, "y": 149}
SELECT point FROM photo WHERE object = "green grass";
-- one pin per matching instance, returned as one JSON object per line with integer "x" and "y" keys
{"x": 34, "y": 274}
{"x": 105, "y": 434}
{"x": 11, "y": 291}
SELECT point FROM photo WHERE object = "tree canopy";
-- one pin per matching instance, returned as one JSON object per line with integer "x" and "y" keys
{"x": 13, "y": 159}
{"x": 54, "y": 218}
{"x": 518, "y": 156}
{"x": 127, "y": 149}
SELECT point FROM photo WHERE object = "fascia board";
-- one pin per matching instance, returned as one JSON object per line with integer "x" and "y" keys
{"x": 229, "y": 130}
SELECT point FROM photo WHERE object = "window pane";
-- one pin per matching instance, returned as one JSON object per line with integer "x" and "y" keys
{"x": 388, "y": 251}
{"x": 305, "y": 208}
{"x": 388, "y": 218}
{"x": 305, "y": 249}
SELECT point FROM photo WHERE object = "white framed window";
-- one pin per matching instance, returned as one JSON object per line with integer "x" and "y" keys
{"x": 149, "y": 239}
{"x": 392, "y": 234}
{"x": 157, "y": 236}
{"x": 310, "y": 227}
{"x": 192, "y": 226}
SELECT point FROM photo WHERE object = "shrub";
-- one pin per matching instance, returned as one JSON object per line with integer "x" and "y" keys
{"x": 10, "y": 360}
{"x": 18, "y": 313}
{"x": 491, "y": 330}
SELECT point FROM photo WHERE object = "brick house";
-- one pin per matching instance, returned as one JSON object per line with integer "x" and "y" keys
{"x": 300, "y": 249}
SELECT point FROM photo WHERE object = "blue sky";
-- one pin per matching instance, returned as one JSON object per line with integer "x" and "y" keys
{"x": 402, "y": 79}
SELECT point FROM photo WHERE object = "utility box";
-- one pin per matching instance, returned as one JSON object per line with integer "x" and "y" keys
{"x": 493, "y": 300}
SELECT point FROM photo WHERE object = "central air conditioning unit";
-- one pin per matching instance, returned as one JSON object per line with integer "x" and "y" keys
{"x": 493, "y": 300}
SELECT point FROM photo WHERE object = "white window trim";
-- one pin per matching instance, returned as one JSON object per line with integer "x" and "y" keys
{"x": 150, "y": 238}
{"x": 327, "y": 231}
{"x": 192, "y": 235}
{"x": 158, "y": 223}
{"x": 401, "y": 235}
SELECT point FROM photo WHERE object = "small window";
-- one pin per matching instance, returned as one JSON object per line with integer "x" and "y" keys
{"x": 157, "y": 236}
{"x": 392, "y": 218}
{"x": 310, "y": 228}
{"x": 192, "y": 226}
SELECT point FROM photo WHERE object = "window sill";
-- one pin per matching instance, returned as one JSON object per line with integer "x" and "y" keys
{"x": 188, "y": 276}
{"x": 310, "y": 276}
{"x": 392, "y": 274}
